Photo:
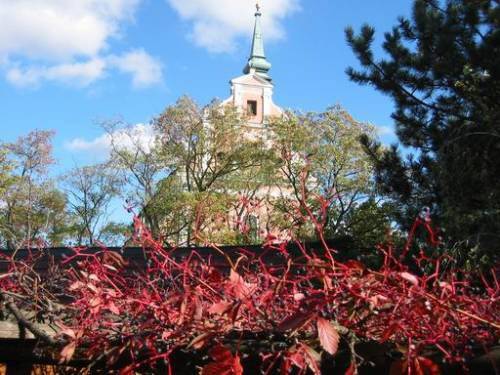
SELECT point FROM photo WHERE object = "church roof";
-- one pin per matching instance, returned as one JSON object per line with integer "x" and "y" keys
{"x": 251, "y": 80}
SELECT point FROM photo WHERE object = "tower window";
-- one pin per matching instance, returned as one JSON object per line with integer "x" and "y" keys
{"x": 252, "y": 107}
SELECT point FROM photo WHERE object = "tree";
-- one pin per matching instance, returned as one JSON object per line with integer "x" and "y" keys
{"x": 137, "y": 155}
{"x": 114, "y": 234}
{"x": 5, "y": 169}
{"x": 442, "y": 70}
{"x": 320, "y": 156}
{"x": 368, "y": 226}
{"x": 32, "y": 208}
{"x": 90, "y": 191}
{"x": 210, "y": 152}
{"x": 208, "y": 143}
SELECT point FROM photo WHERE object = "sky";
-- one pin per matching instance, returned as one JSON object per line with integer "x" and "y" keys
{"x": 71, "y": 65}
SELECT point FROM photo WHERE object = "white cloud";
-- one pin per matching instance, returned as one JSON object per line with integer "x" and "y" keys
{"x": 79, "y": 74}
{"x": 217, "y": 24}
{"x": 68, "y": 41}
{"x": 60, "y": 29}
{"x": 145, "y": 70}
{"x": 138, "y": 136}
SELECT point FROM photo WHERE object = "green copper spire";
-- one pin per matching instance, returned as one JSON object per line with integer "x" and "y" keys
{"x": 257, "y": 60}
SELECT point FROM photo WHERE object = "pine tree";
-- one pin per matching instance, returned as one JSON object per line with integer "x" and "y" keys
{"x": 442, "y": 70}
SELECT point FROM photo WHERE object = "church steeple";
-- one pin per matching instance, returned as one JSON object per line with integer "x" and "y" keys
{"x": 257, "y": 61}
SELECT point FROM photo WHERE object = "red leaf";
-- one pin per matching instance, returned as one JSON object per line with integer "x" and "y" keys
{"x": 214, "y": 277}
{"x": 220, "y": 307}
{"x": 428, "y": 367}
{"x": 240, "y": 288}
{"x": 220, "y": 353}
{"x": 110, "y": 267}
{"x": 328, "y": 336}
{"x": 215, "y": 368}
{"x": 93, "y": 288}
{"x": 409, "y": 277}
{"x": 182, "y": 311}
{"x": 313, "y": 358}
{"x": 69, "y": 332}
{"x": 76, "y": 285}
{"x": 234, "y": 311}
{"x": 113, "y": 308}
{"x": 351, "y": 370}
{"x": 129, "y": 370}
{"x": 224, "y": 363}
{"x": 355, "y": 265}
{"x": 237, "y": 368}
{"x": 376, "y": 301}
{"x": 94, "y": 302}
{"x": 418, "y": 366}
{"x": 266, "y": 297}
{"x": 327, "y": 280}
{"x": 297, "y": 320}
{"x": 67, "y": 352}
{"x": 297, "y": 359}
{"x": 198, "y": 312}
{"x": 200, "y": 341}
{"x": 389, "y": 332}
{"x": 299, "y": 296}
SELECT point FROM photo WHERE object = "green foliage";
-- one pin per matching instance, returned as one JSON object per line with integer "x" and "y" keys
{"x": 6, "y": 167}
{"x": 90, "y": 190}
{"x": 32, "y": 209}
{"x": 442, "y": 69}
{"x": 141, "y": 166}
{"x": 368, "y": 225}
{"x": 320, "y": 155}
{"x": 211, "y": 159}
{"x": 203, "y": 176}
{"x": 30, "y": 214}
{"x": 115, "y": 234}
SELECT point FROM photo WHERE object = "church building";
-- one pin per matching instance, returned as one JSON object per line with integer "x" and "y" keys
{"x": 252, "y": 96}
{"x": 252, "y": 93}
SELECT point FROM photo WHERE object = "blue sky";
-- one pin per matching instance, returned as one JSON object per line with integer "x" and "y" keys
{"x": 68, "y": 65}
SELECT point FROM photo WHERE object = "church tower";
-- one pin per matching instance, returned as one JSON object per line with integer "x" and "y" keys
{"x": 252, "y": 93}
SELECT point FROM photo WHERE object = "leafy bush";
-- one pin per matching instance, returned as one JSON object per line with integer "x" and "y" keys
{"x": 228, "y": 313}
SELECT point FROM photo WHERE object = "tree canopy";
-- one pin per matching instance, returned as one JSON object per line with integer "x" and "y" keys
{"x": 196, "y": 174}
{"x": 32, "y": 209}
{"x": 320, "y": 156}
{"x": 441, "y": 67}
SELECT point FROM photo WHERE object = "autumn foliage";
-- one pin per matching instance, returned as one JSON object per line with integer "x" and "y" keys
{"x": 287, "y": 310}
